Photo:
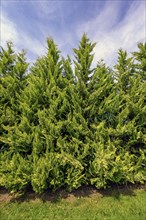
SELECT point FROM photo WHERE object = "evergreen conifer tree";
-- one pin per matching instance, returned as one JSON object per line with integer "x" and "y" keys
{"x": 80, "y": 131}
{"x": 13, "y": 69}
{"x": 93, "y": 90}
{"x": 15, "y": 170}
{"x": 140, "y": 58}
{"x": 42, "y": 131}
{"x": 101, "y": 118}
{"x": 131, "y": 93}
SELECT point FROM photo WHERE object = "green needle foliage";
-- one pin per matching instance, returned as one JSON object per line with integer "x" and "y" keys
{"x": 67, "y": 123}
{"x": 13, "y": 69}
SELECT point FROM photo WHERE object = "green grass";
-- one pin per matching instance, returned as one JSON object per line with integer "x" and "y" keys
{"x": 110, "y": 205}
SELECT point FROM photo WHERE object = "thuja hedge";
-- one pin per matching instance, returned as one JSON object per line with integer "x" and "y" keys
{"x": 67, "y": 123}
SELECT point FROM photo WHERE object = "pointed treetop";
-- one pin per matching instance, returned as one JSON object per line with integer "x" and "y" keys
{"x": 123, "y": 63}
{"x": 53, "y": 50}
{"x": 83, "y": 58}
{"x": 140, "y": 58}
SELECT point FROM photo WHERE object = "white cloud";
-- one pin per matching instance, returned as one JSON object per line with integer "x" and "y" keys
{"x": 102, "y": 22}
{"x": 111, "y": 35}
{"x": 21, "y": 40}
{"x": 8, "y": 30}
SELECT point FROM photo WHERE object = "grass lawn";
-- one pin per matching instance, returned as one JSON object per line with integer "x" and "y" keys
{"x": 127, "y": 203}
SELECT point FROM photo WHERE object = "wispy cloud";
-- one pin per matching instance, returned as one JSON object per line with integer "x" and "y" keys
{"x": 22, "y": 40}
{"x": 8, "y": 30}
{"x": 111, "y": 34}
{"x": 54, "y": 18}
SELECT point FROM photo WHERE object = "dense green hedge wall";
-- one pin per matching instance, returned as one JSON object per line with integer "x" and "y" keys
{"x": 68, "y": 123}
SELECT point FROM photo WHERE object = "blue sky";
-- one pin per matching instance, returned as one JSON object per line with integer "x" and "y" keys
{"x": 112, "y": 24}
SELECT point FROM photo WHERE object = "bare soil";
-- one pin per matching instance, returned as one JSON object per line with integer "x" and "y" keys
{"x": 84, "y": 191}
